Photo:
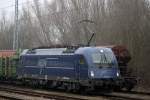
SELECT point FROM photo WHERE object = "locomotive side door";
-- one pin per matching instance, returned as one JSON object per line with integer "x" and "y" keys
{"x": 41, "y": 65}
{"x": 77, "y": 68}
{"x": 82, "y": 69}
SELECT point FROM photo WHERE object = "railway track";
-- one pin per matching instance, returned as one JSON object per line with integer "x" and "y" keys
{"x": 136, "y": 92}
{"x": 132, "y": 95}
{"x": 68, "y": 96}
{"x": 4, "y": 97}
{"x": 128, "y": 96}
{"x": 124, "y": 95}
{"x": 29, "y": 92}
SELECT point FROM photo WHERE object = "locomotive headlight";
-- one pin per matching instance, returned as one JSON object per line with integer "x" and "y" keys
{"x": 92, "y": 73}
{"x": 101, "y": 51}
{"x": 117, "y": 74}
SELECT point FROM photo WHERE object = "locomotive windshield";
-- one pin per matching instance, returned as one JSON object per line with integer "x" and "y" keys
{"x": 103, "y": 58}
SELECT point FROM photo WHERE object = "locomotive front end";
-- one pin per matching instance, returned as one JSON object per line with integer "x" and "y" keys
{"x": 103, "y": 69}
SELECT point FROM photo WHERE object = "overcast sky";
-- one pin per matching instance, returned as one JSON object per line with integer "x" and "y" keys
{"x": 9, "y": 5}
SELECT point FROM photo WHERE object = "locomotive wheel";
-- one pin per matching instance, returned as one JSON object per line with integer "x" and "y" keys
{"x": 117, "y": 88}
{"x": 83, "y": 90}
{"x": 76, "y": 88}
{"x": 129, "y": 87}
{"x": 68, "y": 88}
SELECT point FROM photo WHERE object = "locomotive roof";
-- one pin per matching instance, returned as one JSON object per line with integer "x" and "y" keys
{"x": 58, "y": 51}
{"x": 51, "y": 51}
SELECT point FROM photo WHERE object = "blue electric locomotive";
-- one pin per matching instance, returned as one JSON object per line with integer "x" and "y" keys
{"x": 73, "y": 69}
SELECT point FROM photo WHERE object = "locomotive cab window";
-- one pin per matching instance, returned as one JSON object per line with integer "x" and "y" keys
{"x": 102, "y": 59}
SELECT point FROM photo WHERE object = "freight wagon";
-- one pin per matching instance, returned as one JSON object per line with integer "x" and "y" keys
{"x": 8, "y": 64}
{"x": 123, "y": 58}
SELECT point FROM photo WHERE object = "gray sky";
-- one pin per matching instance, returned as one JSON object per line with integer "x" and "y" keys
{"x": 8, "y": 5}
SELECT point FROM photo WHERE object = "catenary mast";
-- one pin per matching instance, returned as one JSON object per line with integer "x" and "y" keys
{"x": 15, "y": 35}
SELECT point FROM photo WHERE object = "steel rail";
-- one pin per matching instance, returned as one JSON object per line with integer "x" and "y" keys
{"x": 133, "y": 95}
{"x": 8, "y": 97}
{"x": 136, "y": 92}
{"x": 39, "y": 94}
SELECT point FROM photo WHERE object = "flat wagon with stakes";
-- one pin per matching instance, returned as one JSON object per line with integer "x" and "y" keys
{"x": 8, "y": 64}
